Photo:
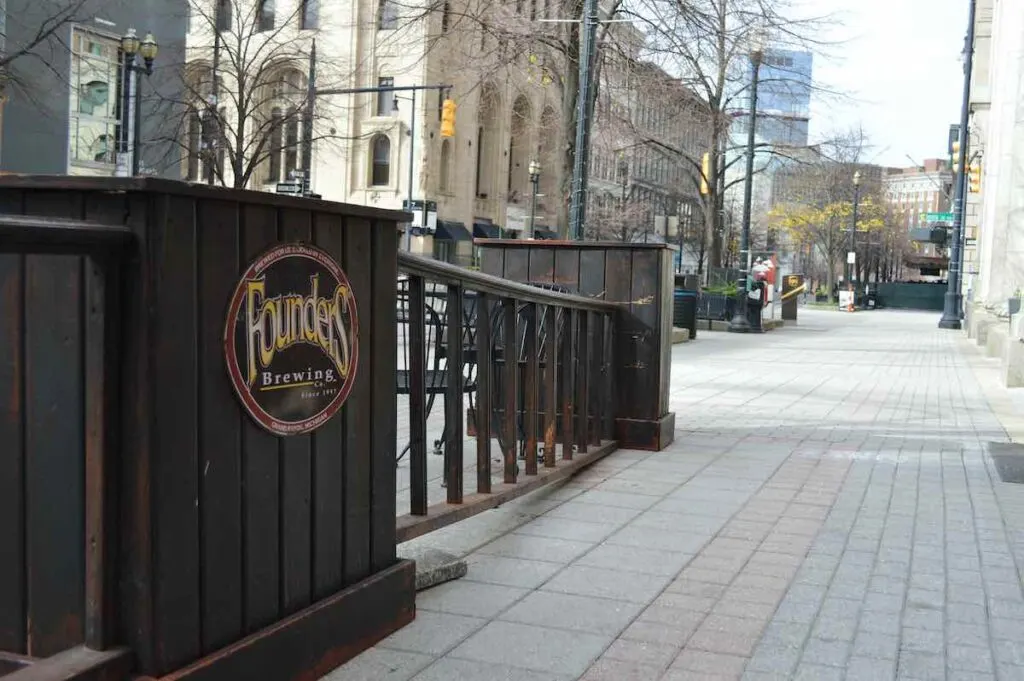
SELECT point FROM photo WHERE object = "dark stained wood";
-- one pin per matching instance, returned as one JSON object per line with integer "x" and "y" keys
{"x": 13, "y": 598}
{"x": 453, "y": 399}
{"x": 79, "y": 664}
{"x": 328, "y": 454}
{"x": 517, "y": 265}
{"x": 175, "y": 382}
{"x": 584, "y": 359}
{"x": 609, "y": 402}
{"x": 296, "y": 472}
{"x": 54, "y": 462}
{"x": 316, "y": 640}
{"x": 485, "y": 384}
{"x": 12, "y": 662}
{"x": 442, "y": 273}
{"x": 530, "y": 387}
{"x": 651, "y": 435}
{"x": 510, "y": 395}
{"x": 417, "y": 397}
{"x": 27, "y": 234}
{"x": 541, "y": 267}
{"x": 442, "y": 515}
{"x": 101, "y": 360}
{"x": 644, "y": 309}
{"x": 357, "y": 411}
{"x": 550, "y": 386}
{"x": 567, "y": 268}
{"x": 492, "y": 262}
{"x": 261, "y": 477}
{"x": 568, "y": 382}
{"x": 592, "y": 267}
{"x": 67, "y": 184}
{"x": 381, "y": 360}
{"x": 220, "y": 431}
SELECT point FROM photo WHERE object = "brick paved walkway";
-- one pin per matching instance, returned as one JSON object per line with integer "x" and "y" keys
{"x": 828, "y": 511}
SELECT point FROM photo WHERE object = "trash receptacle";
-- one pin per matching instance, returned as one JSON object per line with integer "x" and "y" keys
{"x": 684, "y": 311}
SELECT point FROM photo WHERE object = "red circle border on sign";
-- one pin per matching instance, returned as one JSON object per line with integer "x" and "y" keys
{"x": 266, "y": 421}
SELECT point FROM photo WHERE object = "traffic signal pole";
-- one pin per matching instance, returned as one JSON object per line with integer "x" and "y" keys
{"x": 952, "y": 304}
{"x": 448, "y": 124}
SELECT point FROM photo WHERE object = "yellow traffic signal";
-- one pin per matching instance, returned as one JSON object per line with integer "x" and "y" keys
{"x": 705, "y": 173}
{"x": 956, "y": 148}
{"x": 974, "y": 178}
{"x": 448, "y": 118}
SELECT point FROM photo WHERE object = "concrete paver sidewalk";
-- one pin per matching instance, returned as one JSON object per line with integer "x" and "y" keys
{"x": 828, "y": 511}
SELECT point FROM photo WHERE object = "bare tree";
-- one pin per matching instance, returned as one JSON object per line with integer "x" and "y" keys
{"x": 244, "y": 115}
{"x": 708, "y": 43}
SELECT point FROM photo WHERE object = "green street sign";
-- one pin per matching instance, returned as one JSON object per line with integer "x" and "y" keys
{"x": 937, "y": 217}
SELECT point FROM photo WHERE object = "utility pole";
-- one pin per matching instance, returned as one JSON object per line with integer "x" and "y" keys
{"x": 307, "y": 122}
{"x": 578, "y": 206}
{"x": 951, "y": 307}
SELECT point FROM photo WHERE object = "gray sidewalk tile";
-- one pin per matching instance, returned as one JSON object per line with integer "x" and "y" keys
{"x": 586, "y": 580}
{"x": 576, "y": 613}
{"x": 526, "y": 574}
{"x": 533, "y": 647}
{"x": 453, "y": 669}
{"x": 433, "y": 633}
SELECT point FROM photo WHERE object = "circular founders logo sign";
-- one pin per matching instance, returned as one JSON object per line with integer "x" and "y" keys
{"x": 291, "y": 339}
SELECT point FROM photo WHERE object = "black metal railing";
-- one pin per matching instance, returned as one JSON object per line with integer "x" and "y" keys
{"x": 526, "y": 366}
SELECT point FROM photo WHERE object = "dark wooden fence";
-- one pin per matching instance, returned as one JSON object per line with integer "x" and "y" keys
{"x": 637, "y": 280}
{"x": 535, "y": 366}
{"x": 142, "y": 513}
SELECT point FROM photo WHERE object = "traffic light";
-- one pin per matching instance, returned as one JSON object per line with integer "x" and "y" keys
{"x": 956, "y": 156}
{"x": 974, "y": 178}
{"x": 448, "y": 118}
{"x": 705, "y": 173}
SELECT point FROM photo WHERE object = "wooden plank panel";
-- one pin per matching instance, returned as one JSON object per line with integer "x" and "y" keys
{"x": 102, "y": 358}
{"x": 220, "y": 430}
{"x": 54, "y": 445}
{"x": 357, "y": 410}
{"x": 492, "y": 261}
{"x": 485, "y": 384}
{"x": 643, "y": 289}
{"x": 328, "y": 455}
{"x": 12, "y": 454}
{"x": 567, "y": 267}
{"x": 261, "y": 501}
{"x": 583, "y": 364}
{"x": 530, "y": 387}
{"x": 592, "y": 272}
{"x": 174, "y": 391}
{"x": 517, "y": 264}
{"x": 296, "y": 466}
{"x": 663, "y": 302}
{"x": 453, "y": 407}
{"x": 382, "y": 363}
{"x": 542, "y": 265}
{"x": 619, "y": 276}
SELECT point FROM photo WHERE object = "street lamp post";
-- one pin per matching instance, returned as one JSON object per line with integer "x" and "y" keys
{"x": 739, "y": 322}
{"x": 131, "y": 116}
{"x": 951, "y": 306}
{"x": 535, "y": 182}
{"x": 851, "y": 257}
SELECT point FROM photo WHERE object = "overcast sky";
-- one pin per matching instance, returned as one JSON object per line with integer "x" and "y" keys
{"x": 899, "y": 63}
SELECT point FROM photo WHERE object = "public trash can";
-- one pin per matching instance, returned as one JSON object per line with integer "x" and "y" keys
{"x": 754, "y": 308}
{"x": 684, "y": 311}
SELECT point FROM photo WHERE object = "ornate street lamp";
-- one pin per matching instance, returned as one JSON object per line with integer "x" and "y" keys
{"x": 535, "y": 181}
{"x": 131, "y": 117}
{"x": 851, "y": 257}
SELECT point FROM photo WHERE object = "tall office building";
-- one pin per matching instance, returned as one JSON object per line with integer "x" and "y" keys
{"x": 783, "y": 97}
{"x": 62, "y": 110}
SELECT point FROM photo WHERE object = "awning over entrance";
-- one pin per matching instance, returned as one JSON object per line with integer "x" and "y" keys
{"x": 451, "y": 230}
{"x": 542, "y": 232}
{"x": 486, "y": 230}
